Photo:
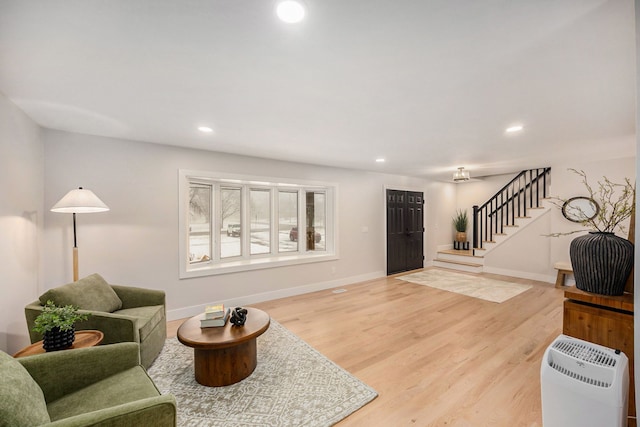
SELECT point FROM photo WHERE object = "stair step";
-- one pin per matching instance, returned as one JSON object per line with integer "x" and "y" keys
{"x": 450, "y": 261}
{"x": 515, "y": 225}
{"x": 468, "y": 253}
{"x": 523, "y": 217}
{"x": 469, "y": 267}
{"x": 467, "y": 256}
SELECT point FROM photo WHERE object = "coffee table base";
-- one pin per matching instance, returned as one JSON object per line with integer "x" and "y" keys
{"x": 225, "y": 366}
{"x": 224, "y": 355}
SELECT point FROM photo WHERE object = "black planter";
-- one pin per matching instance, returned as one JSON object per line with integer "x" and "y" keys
{"x": 58, "y": 340}
{"x": 601, "y": 262}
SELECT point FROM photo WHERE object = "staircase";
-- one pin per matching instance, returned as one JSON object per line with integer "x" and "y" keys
{"x": 510, "y": 210}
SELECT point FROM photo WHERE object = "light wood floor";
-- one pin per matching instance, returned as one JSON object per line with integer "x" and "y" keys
{"x": 434, "y": 357}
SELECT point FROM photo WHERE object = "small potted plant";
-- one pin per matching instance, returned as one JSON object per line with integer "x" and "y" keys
{"x": 460, "y": 224}
{"x": 57, "y": 325}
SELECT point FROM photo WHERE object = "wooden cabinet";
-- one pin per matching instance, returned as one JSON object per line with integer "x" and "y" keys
{"x": 604, "y": 320}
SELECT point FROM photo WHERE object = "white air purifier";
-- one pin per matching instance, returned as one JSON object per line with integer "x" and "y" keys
{"x": 583, "y": 385}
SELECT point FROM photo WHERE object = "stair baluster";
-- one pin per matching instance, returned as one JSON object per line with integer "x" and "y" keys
{"x": 523, "y": 192}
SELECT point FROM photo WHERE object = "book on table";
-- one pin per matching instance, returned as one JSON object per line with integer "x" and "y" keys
{"x": 214, "y": 311}
{"x": 214, "y": 323}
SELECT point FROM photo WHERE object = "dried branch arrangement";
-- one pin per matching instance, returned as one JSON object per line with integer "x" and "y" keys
{"x": 616, "y": 203}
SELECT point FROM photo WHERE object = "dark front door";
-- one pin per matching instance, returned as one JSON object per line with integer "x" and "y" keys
{"x": 405, "y": 231}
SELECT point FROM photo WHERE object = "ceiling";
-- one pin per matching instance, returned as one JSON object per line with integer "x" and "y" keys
{"x": 429, "y": 85}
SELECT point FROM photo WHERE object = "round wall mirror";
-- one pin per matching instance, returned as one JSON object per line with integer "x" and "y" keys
{"x": 578, "y": 209}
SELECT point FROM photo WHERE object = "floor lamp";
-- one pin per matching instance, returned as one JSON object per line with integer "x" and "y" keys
{"x": 78, "y": 201}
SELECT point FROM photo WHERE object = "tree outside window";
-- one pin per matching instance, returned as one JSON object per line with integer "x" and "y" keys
{"x": 199, "y": 223}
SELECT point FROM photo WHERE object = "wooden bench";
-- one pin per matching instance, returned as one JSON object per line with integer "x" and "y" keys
{"x": 564, "y": 268}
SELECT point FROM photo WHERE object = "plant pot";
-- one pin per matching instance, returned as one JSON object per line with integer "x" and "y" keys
{"x": 56, "y": 339}
{"x": 461, "y": 236}
{"x": 601, "y": 262}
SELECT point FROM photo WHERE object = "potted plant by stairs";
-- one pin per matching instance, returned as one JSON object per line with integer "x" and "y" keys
{"x": 57, "y": 325}
{"x": 602, "y": 261}
{"x": 460, "y": 224}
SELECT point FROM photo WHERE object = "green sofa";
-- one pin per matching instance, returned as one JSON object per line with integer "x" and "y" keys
{"x": 122, "y": 313}
{"x": 97, "y": 386}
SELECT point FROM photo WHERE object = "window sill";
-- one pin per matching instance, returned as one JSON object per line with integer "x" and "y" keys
{"x": 209, "y": 269}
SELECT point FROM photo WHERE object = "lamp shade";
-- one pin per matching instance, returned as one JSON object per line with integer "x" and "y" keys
{"x": 80, "y": 200}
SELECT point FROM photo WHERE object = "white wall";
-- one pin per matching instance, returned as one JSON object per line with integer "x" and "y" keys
{"x": 526, "y": 254}
{"x": 136, "y": 242}
{"x": 441, "y": 200}
{"x": 21, "y": 196}
{"x": 479, "y": 189}
{"x": 636, "y": 269}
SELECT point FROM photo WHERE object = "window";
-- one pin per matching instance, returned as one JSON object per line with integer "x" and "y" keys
{"x": 199, "y": 223}
{"x": 231, "y": 219}
{"x": 315, "y": 220}
{"x": 235, "y": 223}
{"x": 287, "y": 221}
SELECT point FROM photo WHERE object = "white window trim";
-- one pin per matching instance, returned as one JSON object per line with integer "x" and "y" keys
{"x": 254, "y": 262}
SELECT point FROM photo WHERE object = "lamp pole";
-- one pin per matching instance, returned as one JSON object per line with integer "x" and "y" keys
{"x": 75, "y": 250}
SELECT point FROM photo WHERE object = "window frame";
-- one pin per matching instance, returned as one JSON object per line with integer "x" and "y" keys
{"x": 210, "y": 210}
{"x": 248, "y": 262}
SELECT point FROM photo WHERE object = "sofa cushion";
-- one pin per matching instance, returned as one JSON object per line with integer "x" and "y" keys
{"x": 149, "y": 316}
{"x": 126, "y": 386}
{"x": 91, "y": 293}
{"x": 21, "y": 399}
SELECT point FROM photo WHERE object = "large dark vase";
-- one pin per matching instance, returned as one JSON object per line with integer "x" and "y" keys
{"x": 58, "y": 340}
{"x": 601, "y": 262}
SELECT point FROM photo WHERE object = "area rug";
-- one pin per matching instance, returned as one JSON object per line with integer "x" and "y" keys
{"x": 293, "y": 385}
{"x": 473, "y": 286}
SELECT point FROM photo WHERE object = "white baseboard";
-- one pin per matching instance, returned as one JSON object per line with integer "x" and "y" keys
{"x": 520, "y": 274}
{"x": 184, "y": 312}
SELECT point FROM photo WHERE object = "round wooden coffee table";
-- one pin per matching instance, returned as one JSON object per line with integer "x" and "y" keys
{"x": 226, "y": 354}
{"x": 84, "y": 339}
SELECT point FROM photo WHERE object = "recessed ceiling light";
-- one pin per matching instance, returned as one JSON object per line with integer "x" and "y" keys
{"x": 516, "y": 128}
{"x": 379, "y": 160}
{"x": 205, "y": 129}
{"x": 290, "y": 11}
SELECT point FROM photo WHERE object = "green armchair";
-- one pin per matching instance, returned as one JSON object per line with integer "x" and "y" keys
{"x": 122, "y": 313}
{"x": 97, "y": 386}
